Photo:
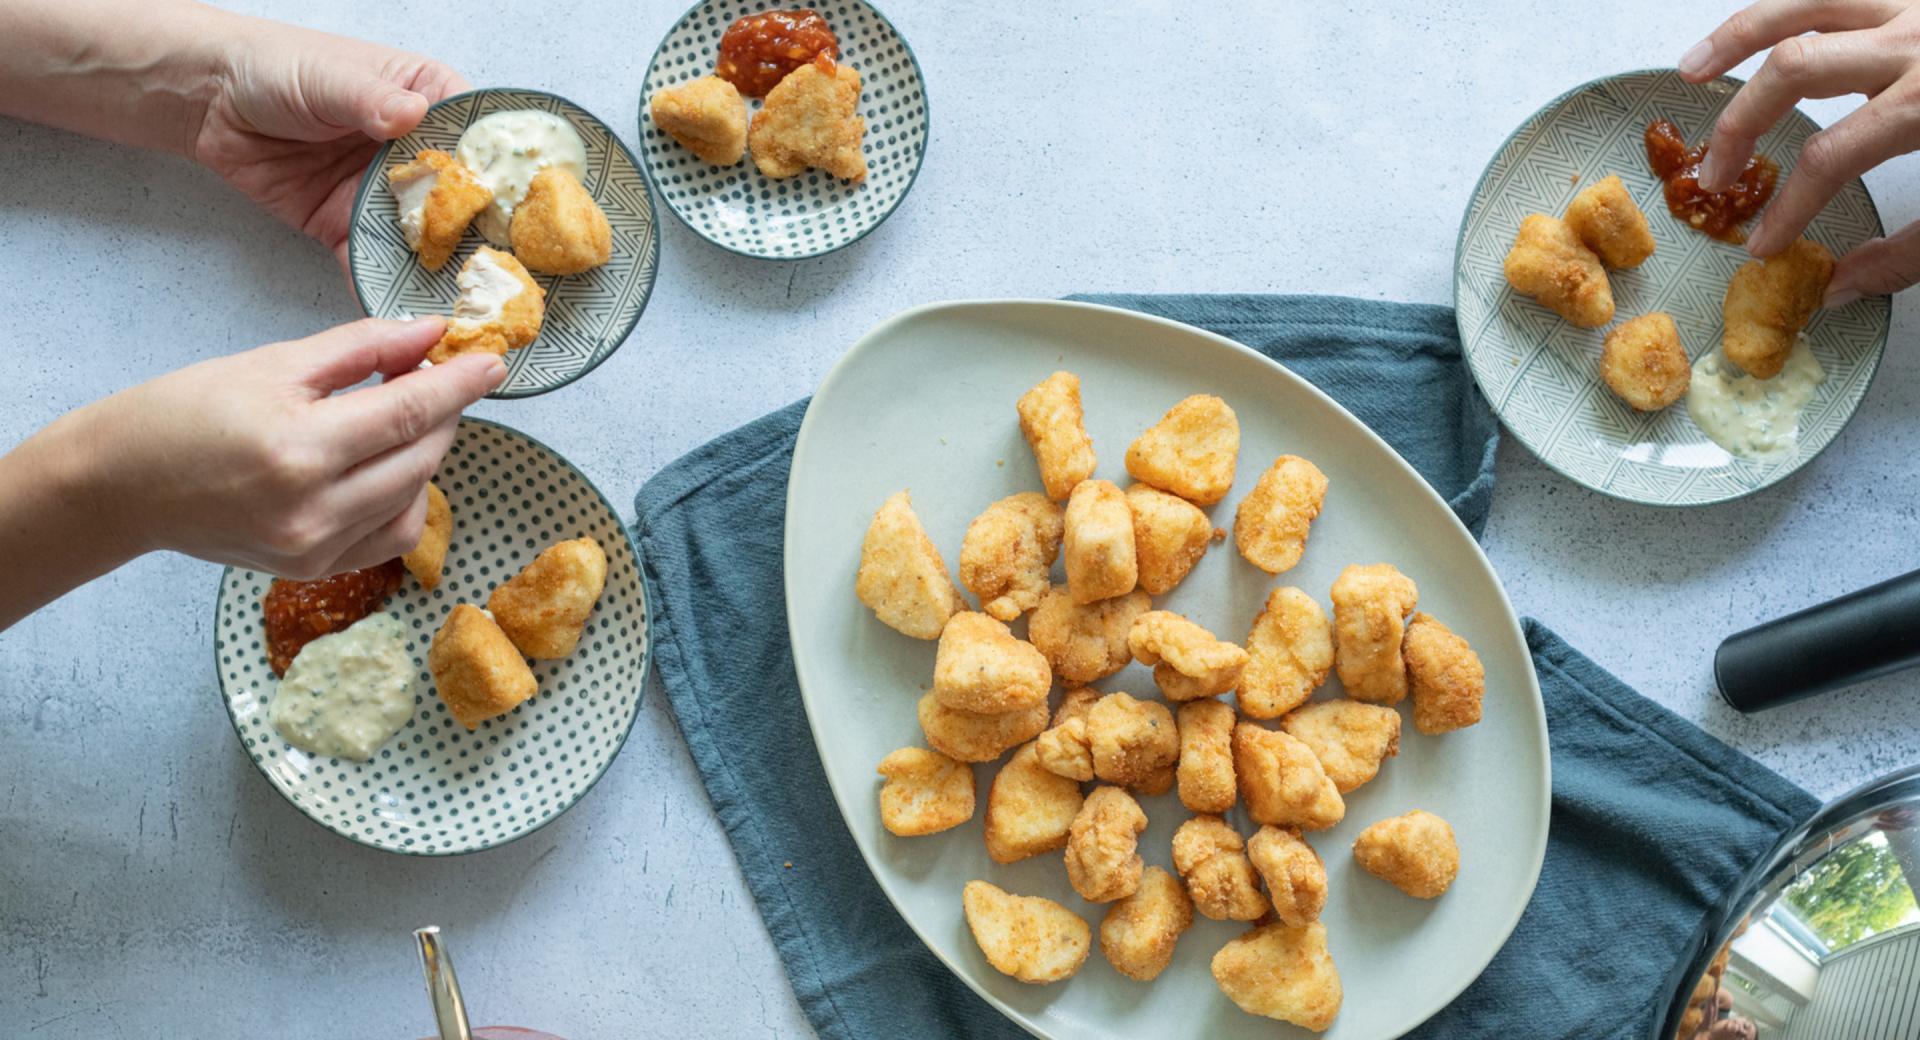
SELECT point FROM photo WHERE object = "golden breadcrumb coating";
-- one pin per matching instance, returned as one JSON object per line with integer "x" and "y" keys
{"x": 811, "y": 121}
{"x": 707, "y": 116}
{"x": 1270, "y": 525}
{"x": 902, "y": 576}
{"x": 1295, "y": 876}
{"x": 544, "y": 608}
{"x": 1280, "y": 971}
{"x": 1188, "y": 661}
{"x": 1370, "y": 605}
{"x": 1190, "y": 452}
{"x": 1416, "y": 852}
{"x": 1009, "y": 551}
{"x": 1029, "y": 808}
{"x": 1055, "y": 428}
{"x": 1098, "y": 543}
{"x": 1549, "y": 264}
{"x": 1605, "y": 219}
{"x": 476, "y": 670}
{"x": 1066, "y": 750}
{"x": 1103, "y": 857}
{"x": 1085, "y": 641}
{"x": 1281, "y": 780}
{"x": 453, "y": 197}
{"x": 558, "y": 228}
{"x": 1643, "y": 362}
{"x": 1029, "y": 938}
{"x": 925, "y": 792}
{"x": 1769, "y": 301}
{"x": 1349, "y": 738}
{"x": 1205, "y": 771}
{"x": 1289, "y": 653}
{"x": 1211, "y": 856}
{"x": 1170, "y": 534}
{"x": 1133, "y": 741}
{"x": 972, "y": 737}
{"x": 983, "y": 667}
{"x": 486, "y": 319}
{"x": 1445, "y": 677}
{"x": 1139, "y": 933}
{"x": 428, "y": 557}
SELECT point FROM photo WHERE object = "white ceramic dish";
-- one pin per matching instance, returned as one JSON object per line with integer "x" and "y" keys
{"x": 926, "y": 401}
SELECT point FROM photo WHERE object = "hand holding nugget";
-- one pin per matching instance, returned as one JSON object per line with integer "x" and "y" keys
{"x": 429, "y": 555}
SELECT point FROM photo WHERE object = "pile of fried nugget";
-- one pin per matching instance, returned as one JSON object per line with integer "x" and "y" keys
{"x": 992, "y": 693}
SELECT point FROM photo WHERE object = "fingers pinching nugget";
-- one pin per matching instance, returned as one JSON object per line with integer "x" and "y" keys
{"x": 1605, "y": 219}
{"x": 1099, "y": 543}
{"x": 1029, "y": 808}
{"x": 1133, "y": 741}
{"x": 500, "y": 308}
{"x": 925, "y": 792}
{"x": 1085, "y": 641}
{"x": 1281, "y": 780}
{"x": 1548, "y": 263}
{"x": 1349, "y": 738}
{"x": 1769, "y": 301}
{"x": 811, "y": 121}
{"x": 1206, "y": 756}
{"x": 1280, "y": 971}
{"x": 1008, "y": 551}
{"x": 1209, "y": 854}
{"x": 1055, "y": 428}
{"x": 1296, "y": 878}
{"x": 1415, "y": 852}
{"x": 558, "y": 228}
{"x": 1139, "y": 932}
{"x": 544, "y": 608}
{"x": 428, "y": 556}
{"x": 1190, "y": 452}
{"x": 982, "y": 667}
{"x": 1643, "y": 363}
{"x": 1066, "y": 750}
{"x": 1188, "y": 661}
{"x": 1030, "y": 938}
{"x": 477, "y": 672}
{"x": 1103, "y": 857}
{"x": 972, "y": 737}
{"x": 437, "y": 198}
{"x": 1270, "y": 526}
{"x": 1289, "y": 653}
{"x": 1370, "y": 605}
{"x": 707, "y": 116}
{"x": 902, "y": 576}
{"x": 1170, "y": 534}
{"x": 1445, "y": 675}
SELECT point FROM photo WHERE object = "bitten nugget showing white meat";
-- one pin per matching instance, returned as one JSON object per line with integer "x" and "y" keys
{"x": 707, "y": 116}
{"x": 1055, "y": 428}
{"x": 902, "y": 576}
{"x": 811, "y": 120}
{"x": 1295, "y": 876}
{"x": 1206, "y": 756}
{"x": 1170, "y": 534}
{"x": 925, "y": 792}
{"x": 1066, "y": 750}
{"x": 1370, "y": 606}
{"x": 1099, "y": 543}
{"x": 1008, "y": 551}
{"x": 1032, "y": 939}
{"x": 1280, "y": 971}
{"x": 428, "y": 557}
{"x": 1133, "y": 741}
{"x": 1605, "y": 219}
{"x": 1139, "y": 932}
{"x": 1415, "y": 852}
{"x": 972, "y": 737}
{"x": 1209, "y": 854}
{"x": 1769, "y": 301}
{"x": 544, "y": 608}
{"x": 1270, "y": 525}
{"x": 1188, "y": 661}
{"x": 1029, "y": 809}
{"x": 1549, "y": 264}
{"x": 1289, "y": 653}
{"x": 983, "y": 667}
{"x": 1281, "y": 780}
{"x": 1643, "y": 363}
{"x": 500, "y": 308}
{"x": 436, "y": 198}
{"x": 1349, "y": 738}
{"x": 1103, "y": 857}
{"x": 558, "y": 228}
{"x": 1190, "y": 452}
{"x": 1445, "y": 675}
{"x": 477, "y": 672}
{"x": 1085, "y": 641}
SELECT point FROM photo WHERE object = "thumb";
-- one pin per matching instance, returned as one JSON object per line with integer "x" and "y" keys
{"x": 1877, "y": 267}
{"x": 353, "y": 98}
{"x": 346, "y": 354}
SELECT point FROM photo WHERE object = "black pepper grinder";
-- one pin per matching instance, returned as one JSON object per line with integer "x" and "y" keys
{"x": 1860, "y": 636}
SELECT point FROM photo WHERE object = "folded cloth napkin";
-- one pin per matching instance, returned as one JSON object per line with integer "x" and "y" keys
{"x": 1652, "y": 819}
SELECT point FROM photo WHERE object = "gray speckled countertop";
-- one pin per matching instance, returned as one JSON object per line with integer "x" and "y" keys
{"x": 151, "y": 884}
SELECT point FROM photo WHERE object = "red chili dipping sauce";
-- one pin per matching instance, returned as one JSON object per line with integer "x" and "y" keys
{"x": 299, "y": 612}
{"x": 1718, "y": 214}
{"x": 759, "y": 50}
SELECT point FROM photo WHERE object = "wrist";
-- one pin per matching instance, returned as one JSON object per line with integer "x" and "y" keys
{"x": 59, "y": 527}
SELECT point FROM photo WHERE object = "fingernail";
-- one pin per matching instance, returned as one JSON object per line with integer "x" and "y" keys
{"x": 1694, "y": 61}
{"x": 397, "y": 107}
{"x": 1709, "y": 178}
{"x": 1839, "y": 297}
{"x": 496, "y": 371}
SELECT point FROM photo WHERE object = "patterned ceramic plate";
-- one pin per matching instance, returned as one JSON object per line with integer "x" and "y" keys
{"x": 1542, "y": 374}
{"x": 588, "y": 315}
{"x": 437, "y": 789}
{"x": 737, "y": 209}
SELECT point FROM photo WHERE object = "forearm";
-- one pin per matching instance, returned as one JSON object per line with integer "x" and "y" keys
{"x": 57, "y": 529}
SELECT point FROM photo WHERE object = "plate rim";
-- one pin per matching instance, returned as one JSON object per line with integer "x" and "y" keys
{"x": 888, "y": 326}
{"x": 620, "y": 744}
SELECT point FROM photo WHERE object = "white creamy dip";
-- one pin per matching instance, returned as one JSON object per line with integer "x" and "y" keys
{"x": 1753, "y": 418}
{"x": 485, "y": 288}
{"x": 410, "y": 195}
{"x": 506, "y": 149}
{"x": 347, "y": 693}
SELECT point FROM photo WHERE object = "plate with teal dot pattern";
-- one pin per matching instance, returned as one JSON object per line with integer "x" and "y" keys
{"x": 738, "y": 209}
{"x": 435, "y": 788}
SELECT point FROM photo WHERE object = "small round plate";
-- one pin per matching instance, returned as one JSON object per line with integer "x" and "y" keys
{"x": 736, "y": 208}
{"x": 436, "y": 788}
{"x": 588, "y": 315}
{"x": 1542, "y": 375}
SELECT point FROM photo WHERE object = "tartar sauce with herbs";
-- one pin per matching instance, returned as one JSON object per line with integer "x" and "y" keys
{"x": 1755, "y": 419}
{"x": 348, "y": 693}
{"x": 506, "y": 149}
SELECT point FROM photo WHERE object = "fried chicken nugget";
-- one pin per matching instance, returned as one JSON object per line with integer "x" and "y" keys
{"x": 1103, "y": 846}
{"x": 1289, "y": 653}
{"x": 1349, "y": 738}
{"x": 1415, "y": 852}
{"x": 1206, "y": 756}
{"x": 1270, "y": 526}
{"x": 1769, "y": 301}
{"x": 428, "y": 557}
{"x": 1209, "y": 854}
{"x": 902, "y": 576}
{"x": 1139, "y": 932}
{"x": 1548, "y": 263}
{"x": 1643, "y": 363}
{"x": 1029, "y": 808}
{"x": 811, "y": 121}
{"x": 1190, "y": 452}
{"x": 1445, "y": 675}
{"x": 1066, "y": 750}
{"x": 476, "y": 670}
{"x": 972, "y": 737}
{"x": 1099, "y": 543}
{"x": 984, "y": 668}
{"x": 1032, "y": 939}
{"x": 1055, "y": 428}
{"x": 544, "y": 608}
{"x": 706, "y": 115}
{"x": 1282, "y": 971}
{"x": 558, "y": 228}
{"x": 1370, "y": 605}
{"x": 1133, "y": 741}
{"x": 1077, "y": 703}
{"x": 1281, "y": 780}
{"x": 437, "y": 198}
{"x": 1188, "y": 661}
{"x": 1295, "y": 876}
{"x": 499, "y": 309}
{"x": 1605, "y": 219}
{"x": 1085, "y": 641}
{"x": 1009, "y": 550}
{"x": 925, "y": 792}
{"x": 1170, "y": 534}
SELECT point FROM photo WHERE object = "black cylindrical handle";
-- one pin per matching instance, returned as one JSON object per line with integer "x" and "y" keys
{"x": 1841, "y": 642}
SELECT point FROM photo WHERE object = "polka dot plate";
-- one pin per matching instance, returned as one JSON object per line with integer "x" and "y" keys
{"x": 436, "y": 788}
{"x": 589, "y": 315}
{"x": 736, "y": 208}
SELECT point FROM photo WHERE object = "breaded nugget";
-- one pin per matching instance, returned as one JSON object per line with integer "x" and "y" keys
{"x": 1103, "y": 846}
{"x": 1085, "y": 641}
{"x": 500, "y": 308}
{"x": 1281, "y": 780}
{"x": 1170, "y": 534}
{"x": 1139, "y": 932}
{"x": 983, "y": 668}
{"x": 811, "y": 121}
{"x": 1099, "y": 543}
{"x": 1076, "y": 703}
{"x": 1349, "y": 738}
{"x": 558, "y": 228}
{"x": 1415, "y": 852}
{"x": 428, "y": 557}
{"x": 1188, "y": 661}
{"x": 1270, "y": 526}
{"x": 1289, "y": 653}
{"x": 1605, "y": 219}
{"x": 1769, "y": 301}
{"x": 1280, "y": 971}
{"x": 1056, "y": 430}
{"x": 1030, "y": 938}
{"x": 925, "y": 792}
{"x": 1206, "y": 756}
{"x": 902, "y": 576}
{"x": 1296, "y": 878}
{"x": 1444, "y": 675}
{"x": 476, "y": 670}
{"x": 1209, "y": 854}
{"x": 1029, "y": 808}
{"x": 1190, "y": 452}
{"x": 707, "y": 116}
{"x": 972, "y": 737}
{"x": 1008, "y": 552}
{"x": 1644, "y": 364}
{"x": 1066, "y": 750}
{"x": 1548, "y": 263}
{"x": 437, "y": 198}
{"x": 1133, "y": 741}
{"x": 1370, "y": 605}
{"x": 1156, "y": 783}
{"x": 544, "y": 608}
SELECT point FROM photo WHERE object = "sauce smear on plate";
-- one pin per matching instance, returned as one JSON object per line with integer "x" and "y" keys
{"x": 759, "y": 50}
{"x": 298, "y": 612}
{"x": 1718, "y": 214}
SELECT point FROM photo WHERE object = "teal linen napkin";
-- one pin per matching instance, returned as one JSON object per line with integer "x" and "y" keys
{"x": 1652, "y": 819}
